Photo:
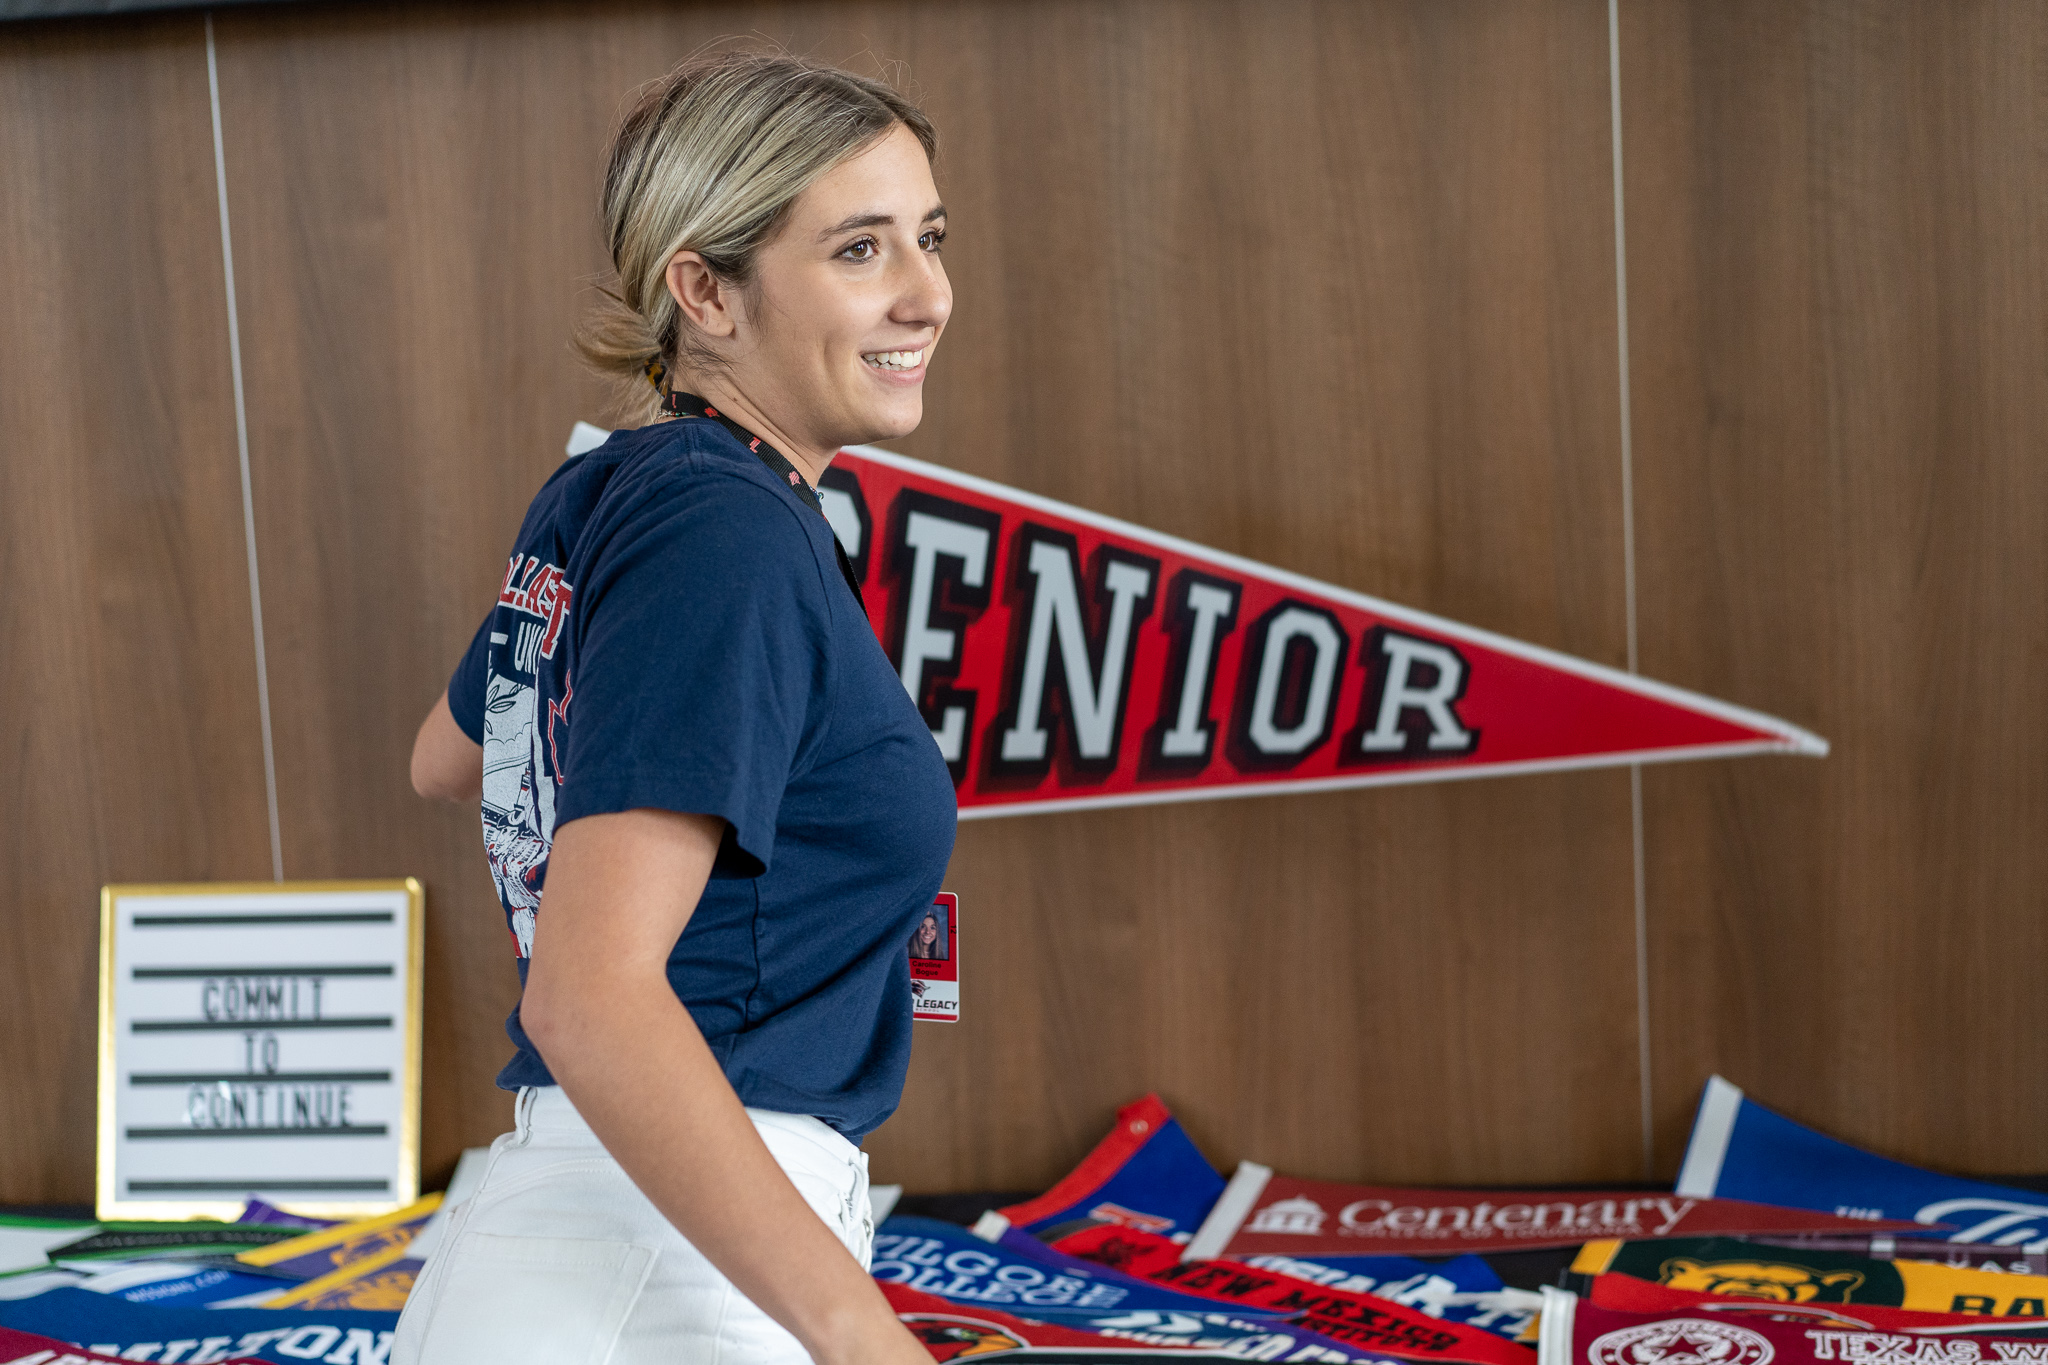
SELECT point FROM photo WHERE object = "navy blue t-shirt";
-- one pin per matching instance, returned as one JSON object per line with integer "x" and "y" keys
{"x": 674, "y": 631}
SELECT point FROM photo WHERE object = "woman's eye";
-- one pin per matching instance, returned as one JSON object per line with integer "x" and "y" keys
{"x": 931, "y": 240}
{"x": 862, "y": 250}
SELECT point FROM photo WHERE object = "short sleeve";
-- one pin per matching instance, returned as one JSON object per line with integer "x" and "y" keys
{"x": 701, "y": 642}
{"x": 466, "y": 686}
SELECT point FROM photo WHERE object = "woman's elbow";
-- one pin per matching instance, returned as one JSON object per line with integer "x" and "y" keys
{"x": 422, "y": 776}
{"x": 579, "y": 1009}
{"x": 437, "y": 782}
{"x": 549, "y": 1018}
{"x": 446, "y": 763}
{"x": 538, "y": 1019}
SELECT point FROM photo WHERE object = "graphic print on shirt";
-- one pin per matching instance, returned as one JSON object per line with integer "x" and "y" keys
{"x": 519, "y": 775}
{"x": 519, "y": 801}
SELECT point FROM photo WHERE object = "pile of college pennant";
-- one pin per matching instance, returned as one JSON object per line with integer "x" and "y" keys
{"x": 270, "y": 1286}
{"x": 1778, "y": 1244}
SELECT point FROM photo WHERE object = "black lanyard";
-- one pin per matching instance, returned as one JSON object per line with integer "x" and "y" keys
{"x": 676, "y": 403}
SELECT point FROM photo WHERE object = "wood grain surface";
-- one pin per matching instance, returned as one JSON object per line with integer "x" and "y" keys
{"x": 1838, "y": 280}
{"x": 127, "y": 661}
{"x": 1329, "y": 286}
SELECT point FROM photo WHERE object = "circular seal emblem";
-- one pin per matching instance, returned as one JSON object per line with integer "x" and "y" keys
{"x": 1681, "y": 1341}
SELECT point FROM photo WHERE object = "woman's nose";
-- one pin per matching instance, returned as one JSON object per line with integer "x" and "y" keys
{"x": 926, "y": 299}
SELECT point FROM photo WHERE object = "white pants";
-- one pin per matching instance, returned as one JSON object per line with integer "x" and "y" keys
{"x": 557, "y": 1257}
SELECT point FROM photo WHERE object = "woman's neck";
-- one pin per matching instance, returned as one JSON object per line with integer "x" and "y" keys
{"x": 721, "y": 393}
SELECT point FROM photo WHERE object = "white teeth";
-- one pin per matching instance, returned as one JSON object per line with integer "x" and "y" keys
{"x": 895, "y": 360}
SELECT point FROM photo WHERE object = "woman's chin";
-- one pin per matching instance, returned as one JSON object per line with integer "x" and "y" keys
{"x": 899, "y": 416}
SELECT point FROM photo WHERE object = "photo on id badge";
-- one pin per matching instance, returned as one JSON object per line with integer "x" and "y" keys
{"x": 935, "y": 961}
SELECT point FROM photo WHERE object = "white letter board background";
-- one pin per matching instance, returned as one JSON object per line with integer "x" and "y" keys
{"x": 259, "y": 1041}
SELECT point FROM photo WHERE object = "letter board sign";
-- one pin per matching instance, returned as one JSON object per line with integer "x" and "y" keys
{"x": 259, "y": 1040}
{"x": 1066, "y": 659}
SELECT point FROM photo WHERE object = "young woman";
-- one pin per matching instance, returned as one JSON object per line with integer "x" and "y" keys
{"x": 680, "y": 724}
{"x": 927, "y": 941}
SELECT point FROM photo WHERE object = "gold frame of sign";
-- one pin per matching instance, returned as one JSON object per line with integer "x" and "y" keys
{"x": 207, "y": 989}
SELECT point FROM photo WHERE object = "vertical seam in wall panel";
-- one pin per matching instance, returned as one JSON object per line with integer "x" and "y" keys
{"x": 227, "y": 258}
{"x": 1628, "y": 591}
{"x": 1635, "y": 805}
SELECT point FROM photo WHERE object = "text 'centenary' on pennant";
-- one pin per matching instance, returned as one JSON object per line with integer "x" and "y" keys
{"x": 1264, "y": 1213}
{"x": 1066, "y": 659}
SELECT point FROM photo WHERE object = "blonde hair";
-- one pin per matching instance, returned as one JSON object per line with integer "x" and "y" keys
{"x": 710, "y": 159}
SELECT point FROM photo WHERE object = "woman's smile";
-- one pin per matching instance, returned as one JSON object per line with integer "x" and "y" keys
{"x": 899, "y": 367}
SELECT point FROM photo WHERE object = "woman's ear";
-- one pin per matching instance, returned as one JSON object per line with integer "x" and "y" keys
{"x": 699, "y": 294}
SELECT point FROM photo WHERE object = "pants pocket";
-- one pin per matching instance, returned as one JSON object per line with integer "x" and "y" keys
{"x": 509, "y": 1300}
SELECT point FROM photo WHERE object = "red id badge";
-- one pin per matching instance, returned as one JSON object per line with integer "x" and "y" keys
{"x": 935, "y": 962}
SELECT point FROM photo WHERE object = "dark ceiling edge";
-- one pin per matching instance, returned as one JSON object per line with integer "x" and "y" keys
{"x": 12, "y": 10}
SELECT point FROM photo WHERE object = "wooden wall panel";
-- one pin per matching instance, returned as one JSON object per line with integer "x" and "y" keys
{"x": 1327, "y": 284}
{"x": 1838, "y": 282}
{"x": 127, "y": 674}
{"x": 414, "y": 195}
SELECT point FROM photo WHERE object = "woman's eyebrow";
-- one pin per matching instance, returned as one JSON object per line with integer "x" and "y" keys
{"x": 861, "y": 220}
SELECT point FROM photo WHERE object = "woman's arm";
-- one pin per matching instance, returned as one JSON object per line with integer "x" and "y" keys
{"x": 445, "y": 762}
{"x": 599, "y": 1007}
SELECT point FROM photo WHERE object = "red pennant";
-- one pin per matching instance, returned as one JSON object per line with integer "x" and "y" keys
{"x": 27, "y": 1348}
{"x": 1577, "y": 1332}
{"x": 951, "y": 1331}
{"x": 1357, "y": 1319}
{"x": 1627, "y": 1294}
{"x": 1065, "y": 659}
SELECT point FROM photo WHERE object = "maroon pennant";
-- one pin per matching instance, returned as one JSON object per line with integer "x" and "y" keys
{"x": 1264, "y": 1214}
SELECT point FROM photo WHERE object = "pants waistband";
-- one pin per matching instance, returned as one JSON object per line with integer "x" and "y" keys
{"x": 547, "y": 1109}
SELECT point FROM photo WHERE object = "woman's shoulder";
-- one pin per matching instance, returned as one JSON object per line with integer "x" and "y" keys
{"x": 691, "y": 476}
{"x": 690, "y": 490}
{"x": 696, "y": 461}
